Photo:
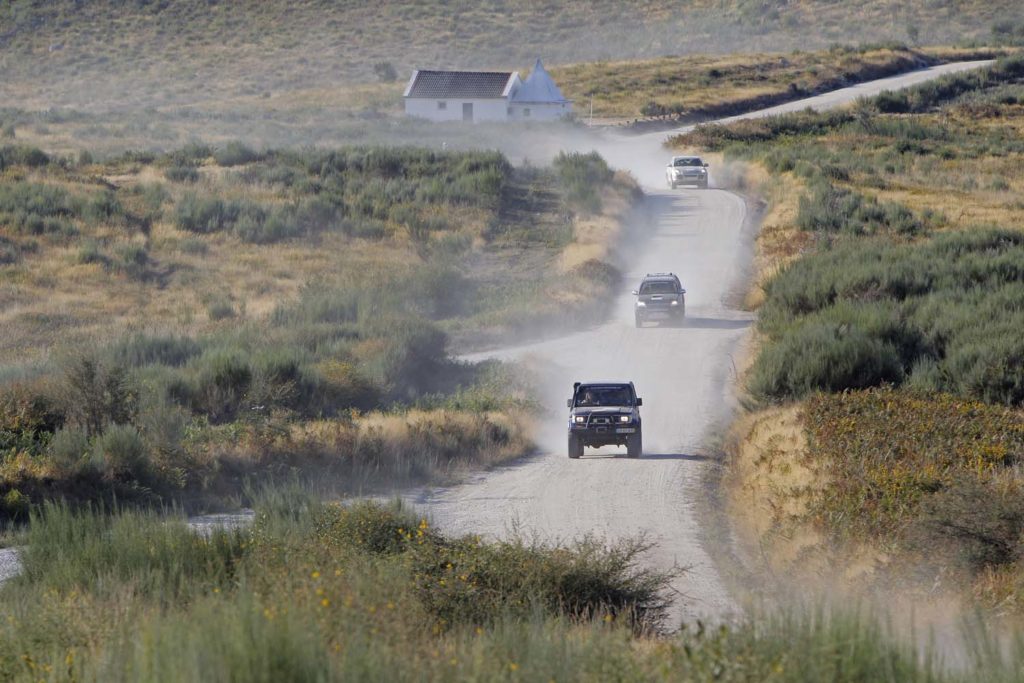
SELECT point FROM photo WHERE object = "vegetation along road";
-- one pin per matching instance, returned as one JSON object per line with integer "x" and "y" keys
{"x": 685, "y": 376}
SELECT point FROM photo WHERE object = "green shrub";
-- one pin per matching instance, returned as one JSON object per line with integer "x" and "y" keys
{"x": 222, "y": 379}
{"x": 38, "y": 209}
{"x": 209, "y": 214}
{"x": 132, "y": 260}
{"x": 901, "y": 466}
{"x": 20, "y": 155}
{"x": 14, "y": 506}
{"x": 182, "y": 174}
{"x": 69, "y": 448}
{"x": 889, "y": 102}
{"x": 235, "y": 154}
{"x": 827, "y": 358}
{"x": 949, "y": 306}
{"x": 161, "y": 558}
{"x": 220, "y": 309}
{"x": 582, "y": 177}
{"x": 838, "y": 210}
{"x": 95, "y": 393}
{"x": 141, "y": 349}
{"x": 121, "y": 452}
{"x": 90, "y": 253}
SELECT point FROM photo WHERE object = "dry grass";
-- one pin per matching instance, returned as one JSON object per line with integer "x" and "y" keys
{"x": 66, "y": 53}
{"x": 705, "y": 85}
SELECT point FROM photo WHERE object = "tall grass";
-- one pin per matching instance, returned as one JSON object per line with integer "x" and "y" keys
{"x": 315, "y": 592}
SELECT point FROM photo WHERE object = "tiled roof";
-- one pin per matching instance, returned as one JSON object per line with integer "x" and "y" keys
{"x": 459, "y": 84}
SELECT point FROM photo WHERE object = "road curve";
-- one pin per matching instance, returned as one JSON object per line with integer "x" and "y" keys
{"x": 685, "y": 376}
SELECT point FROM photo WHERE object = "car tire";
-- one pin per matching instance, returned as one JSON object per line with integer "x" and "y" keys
{"x": 635, "y": 446}
{"x": 639, "y": 320}
{"x": 704, "y": 185}
{"x": 575, "y": 447}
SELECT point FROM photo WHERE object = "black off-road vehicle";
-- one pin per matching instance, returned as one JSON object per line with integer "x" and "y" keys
{"x": 660, "y": 297}
{"x": 604, "y": 414}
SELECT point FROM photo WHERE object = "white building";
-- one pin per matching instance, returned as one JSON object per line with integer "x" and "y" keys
{"x": 485, "y": 96}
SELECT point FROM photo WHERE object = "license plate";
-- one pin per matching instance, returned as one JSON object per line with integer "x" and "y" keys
{"x": 625, "y": 430}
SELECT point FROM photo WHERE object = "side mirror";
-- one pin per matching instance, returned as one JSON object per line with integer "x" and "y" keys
{"x": 639, "y": 402}
{"x": 636, "y": 293}
{"x": 707, "y": 165}
{"x": 683, "y": 291}
{"x": 568, "y": 403}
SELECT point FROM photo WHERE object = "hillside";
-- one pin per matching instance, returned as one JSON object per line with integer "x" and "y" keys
{"x": 108, "y": 54}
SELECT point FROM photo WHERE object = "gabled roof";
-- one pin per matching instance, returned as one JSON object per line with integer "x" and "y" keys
{"x": 475, "y": 84}
{"x": 539, "y": 88}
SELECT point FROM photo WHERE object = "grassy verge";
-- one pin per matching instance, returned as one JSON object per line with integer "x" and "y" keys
{"x": 324, "y": 592}
{"x": 894, "y": 330}
{"x": 179, "y": 322}
{"x": 694, "y": 88}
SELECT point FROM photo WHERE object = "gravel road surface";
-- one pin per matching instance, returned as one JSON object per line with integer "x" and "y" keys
{"x": 685, "y": 376}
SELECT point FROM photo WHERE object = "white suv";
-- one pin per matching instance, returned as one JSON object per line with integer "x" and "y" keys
{"x": 687, "y": 171}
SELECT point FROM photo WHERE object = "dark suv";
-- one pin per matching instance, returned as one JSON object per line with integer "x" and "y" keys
{"x": 604, "y": 414}
{"x": 661, "y": 296}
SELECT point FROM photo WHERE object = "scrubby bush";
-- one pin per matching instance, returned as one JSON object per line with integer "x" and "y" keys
{"x": 182, "y": 174}
{"x": 837, "y": 210}
{"x": 824, "y": 357}
{"x": 120, "y": 452}
{"x": 69, "y": 448}
{"x": 235, "y": 154}
{"x": 385, "y": 72}
{"x": 889, "y": 102}
{"x": 949, "y": 307}
{"x": 20, "y": 155}
{"x": 220, "y": 309}
{"x": 132, "y": 260}
{"x": 898, "y": 466}
{"x": 583, "y": 177}
{"x": 222, "y": 379}
{"x": 95, "y": 393}
{"x": 141, "y": 349}
{"x": 37, "y": 208}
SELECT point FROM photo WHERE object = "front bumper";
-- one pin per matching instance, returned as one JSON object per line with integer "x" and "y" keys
{"x": 604, "y": 433}
{"x": 661, "y": 311}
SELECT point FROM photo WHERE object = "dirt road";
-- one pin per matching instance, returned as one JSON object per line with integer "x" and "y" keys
{"x": 685, "y": 377}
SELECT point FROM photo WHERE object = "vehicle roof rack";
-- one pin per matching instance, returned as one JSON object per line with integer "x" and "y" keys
{"x": 660, "y": 275}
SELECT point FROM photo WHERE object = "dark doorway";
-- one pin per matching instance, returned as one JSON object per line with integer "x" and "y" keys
{"x": 467, "y": 111}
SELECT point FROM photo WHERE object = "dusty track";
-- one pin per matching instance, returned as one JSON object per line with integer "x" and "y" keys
{"x": 685, "y": 377}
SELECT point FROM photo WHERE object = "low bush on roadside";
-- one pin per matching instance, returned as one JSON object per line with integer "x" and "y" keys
{"x": 331, "y": 592}
{"x": 941, "y": 315}
{"x": 583, "y": 176}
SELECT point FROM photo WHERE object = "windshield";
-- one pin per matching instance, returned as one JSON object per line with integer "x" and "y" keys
{"x": 604, "y": 396}
{"x": 689, "y": 161}
{"x": 658, "y": 288}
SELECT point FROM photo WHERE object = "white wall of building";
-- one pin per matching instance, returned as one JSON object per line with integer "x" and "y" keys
{"x": 495, "y": 109}
{"x": 547, "y": 111}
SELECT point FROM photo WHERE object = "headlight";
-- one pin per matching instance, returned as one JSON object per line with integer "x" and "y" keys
{"x": 640, "y": 304}
{"x": 623, "y": 418}
{"x": 675, "y": 303}
{"x": 580, "y": 419}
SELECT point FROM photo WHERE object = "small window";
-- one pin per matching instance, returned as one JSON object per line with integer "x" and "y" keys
{"x": 526, "y": 113}
{"x": 442, "y": 105}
